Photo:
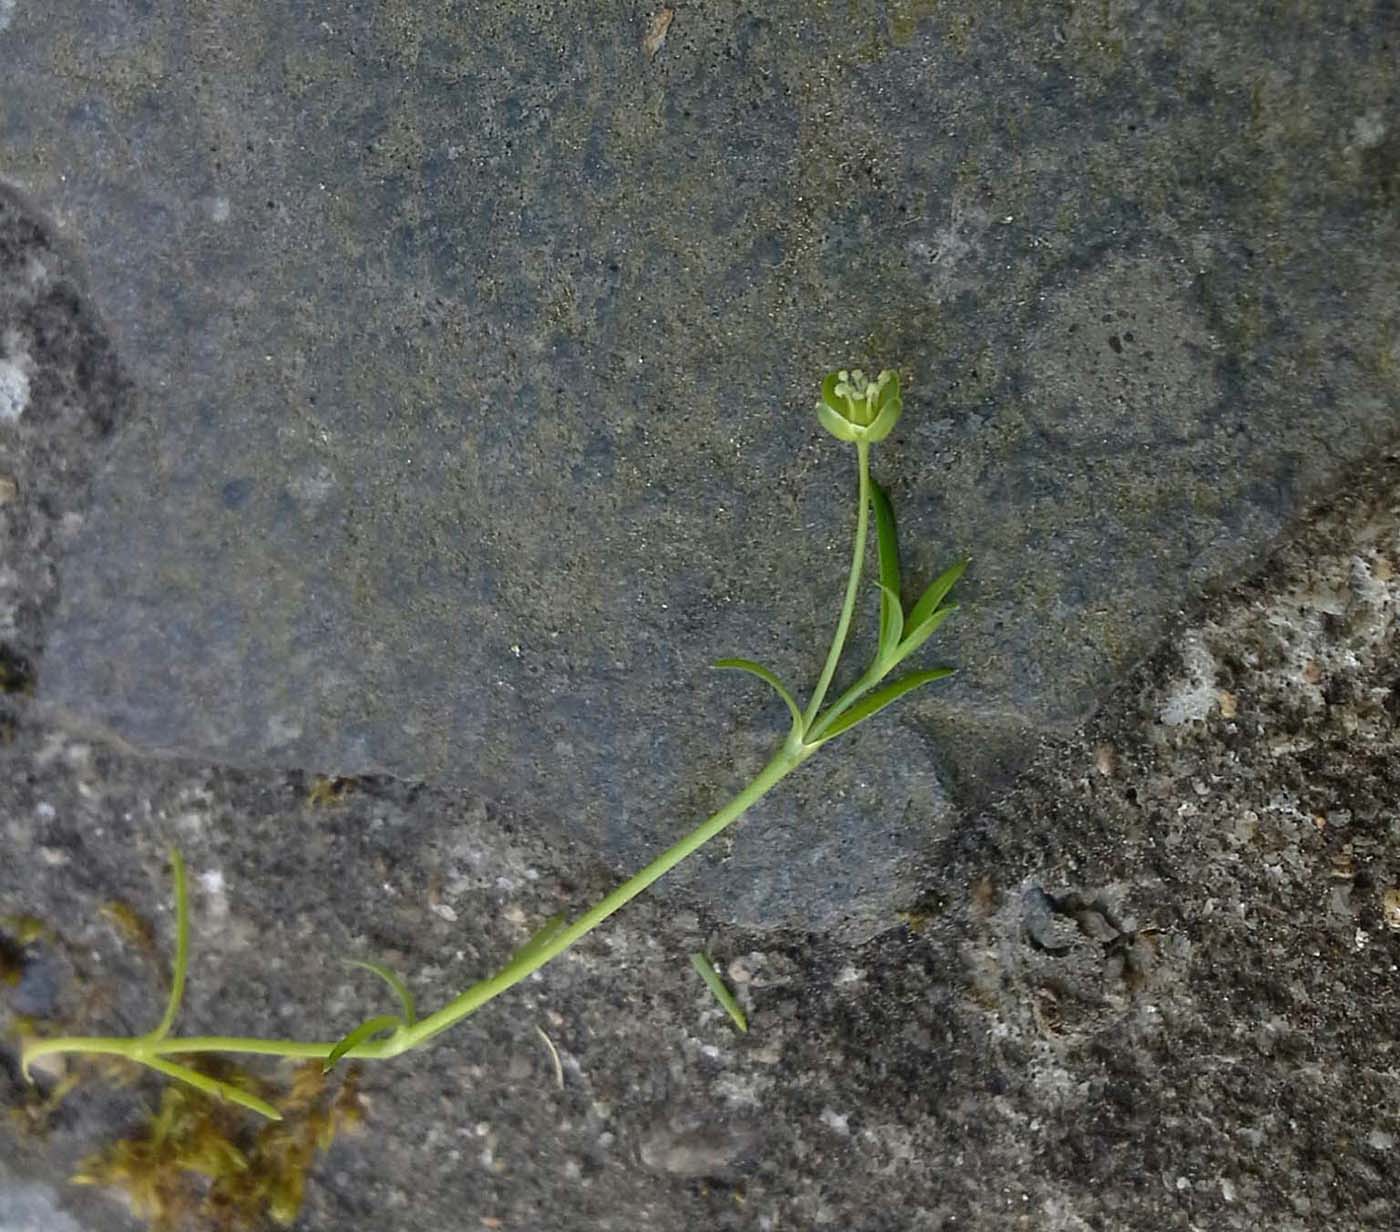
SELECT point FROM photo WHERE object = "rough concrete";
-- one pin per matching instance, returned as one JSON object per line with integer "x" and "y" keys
{"x": 1154, "y": 986}
{"x": 474, "y": 351}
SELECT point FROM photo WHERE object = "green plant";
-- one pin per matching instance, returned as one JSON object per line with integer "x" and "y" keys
{"x": 853, "y": 409}
{"x": 719, "y": 989}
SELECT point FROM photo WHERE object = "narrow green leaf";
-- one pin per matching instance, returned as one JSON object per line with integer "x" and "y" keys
{"x": 212, "y": 1086}
{"x": 937, "y": 589}
{"x": 885, "y": 538}
{"x": 923, "y": 632}
{"x": 544, "y": 934}
{"x": 541, "y": 937}
{"x": 367, "y": 1029}
{"x": 182, "y": 947}
{"x": 757, "y": 669}
{"x": 390, "y": 977}
{"x": 874, "y": 702}
{"x": 891, "y": 624}
{"x": 701, "y": 962}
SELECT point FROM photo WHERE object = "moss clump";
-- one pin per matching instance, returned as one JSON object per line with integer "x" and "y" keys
{"x": 327, "y": 792}
{"x": 197, "y": 1163}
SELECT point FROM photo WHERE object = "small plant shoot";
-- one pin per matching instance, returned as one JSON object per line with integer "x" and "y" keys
{"x": 853, "y": 409}
{"x": 715, "y": 983}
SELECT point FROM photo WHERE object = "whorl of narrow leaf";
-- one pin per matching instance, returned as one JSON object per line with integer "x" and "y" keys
{"x": 886, "y": 538}
{"x": 757, "y": 669}
{"x": 923, "y": 632}
{"x": 182, "y": 947}
{"x": 396, "y": 984}
{"x": 541, "y": 937}
{"x": 366, "y": 1031}
{"x": 701, "y": 962}
{"x": 873, "y": 703}
{"x": 936, "y": 592}
{"x": 891, "y": 625}
{"x": 212, "y": 1086}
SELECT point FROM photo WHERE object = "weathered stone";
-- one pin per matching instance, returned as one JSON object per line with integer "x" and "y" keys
{"x": 29, "y": 1207}
{"x": 1200, "y": 1037}
{"x": 476, "y": 352}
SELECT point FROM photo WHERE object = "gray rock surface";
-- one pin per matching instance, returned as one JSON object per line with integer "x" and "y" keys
{"x": 1154, "y": 986}
{"x": 474, "y": 350}
{"x": 30, "y": 1207}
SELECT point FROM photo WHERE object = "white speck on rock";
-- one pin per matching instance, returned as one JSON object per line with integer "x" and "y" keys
{"x": 1367, "y": 132}
{"x": 839, "y": 1122}
{"x": 14, "y": 383}
{"x": 693, "y": 1149}
{"x": 313, "y": 486}
{"x": 1192, "y": 699}
{"x": 189, "y": 822}
{"x": 219, "y": 207}
{"x": 212, "y": 883}
{"x": 7, "y": 12}
{"x": 281, "y": 730}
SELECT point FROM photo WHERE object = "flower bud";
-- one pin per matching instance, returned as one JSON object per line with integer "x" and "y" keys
{"x": 854, "y": 408}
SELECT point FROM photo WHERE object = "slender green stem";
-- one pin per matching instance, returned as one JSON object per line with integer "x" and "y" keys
{"x": 182, "y": 947}
{"x": 868, "y": 680}
{"x": 140, "y": 1047}
{"x": 838, "y": 641}
{"x": 146, "y": 1048}
{"x": 787, "y": 759}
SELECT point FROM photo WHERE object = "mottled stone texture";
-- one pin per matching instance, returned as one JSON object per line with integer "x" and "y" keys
{"x": 474, "y": 353}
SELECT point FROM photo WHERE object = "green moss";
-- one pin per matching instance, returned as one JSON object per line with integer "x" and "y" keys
{"x": 198, "y": 1164}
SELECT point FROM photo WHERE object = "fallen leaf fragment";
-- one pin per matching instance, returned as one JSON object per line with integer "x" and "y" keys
{"x": 655, "y": 38}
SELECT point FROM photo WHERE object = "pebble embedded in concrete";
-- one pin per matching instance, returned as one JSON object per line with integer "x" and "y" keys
{"x": 14, "y": 391}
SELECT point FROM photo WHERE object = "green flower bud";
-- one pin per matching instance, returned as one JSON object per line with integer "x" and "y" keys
{"x": 856, "y": 409}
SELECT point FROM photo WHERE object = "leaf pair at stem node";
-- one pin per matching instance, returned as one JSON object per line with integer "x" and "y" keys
{"x": 900, "y": 636}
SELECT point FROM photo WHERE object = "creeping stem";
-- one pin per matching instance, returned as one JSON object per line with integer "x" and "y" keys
{"x": 838, "y": 641}
{"x": 782, "y": 763}
{"x": 146, "y": 1048}
{"x": 139, "y": 1048}
{"x": 182, "y": 947}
